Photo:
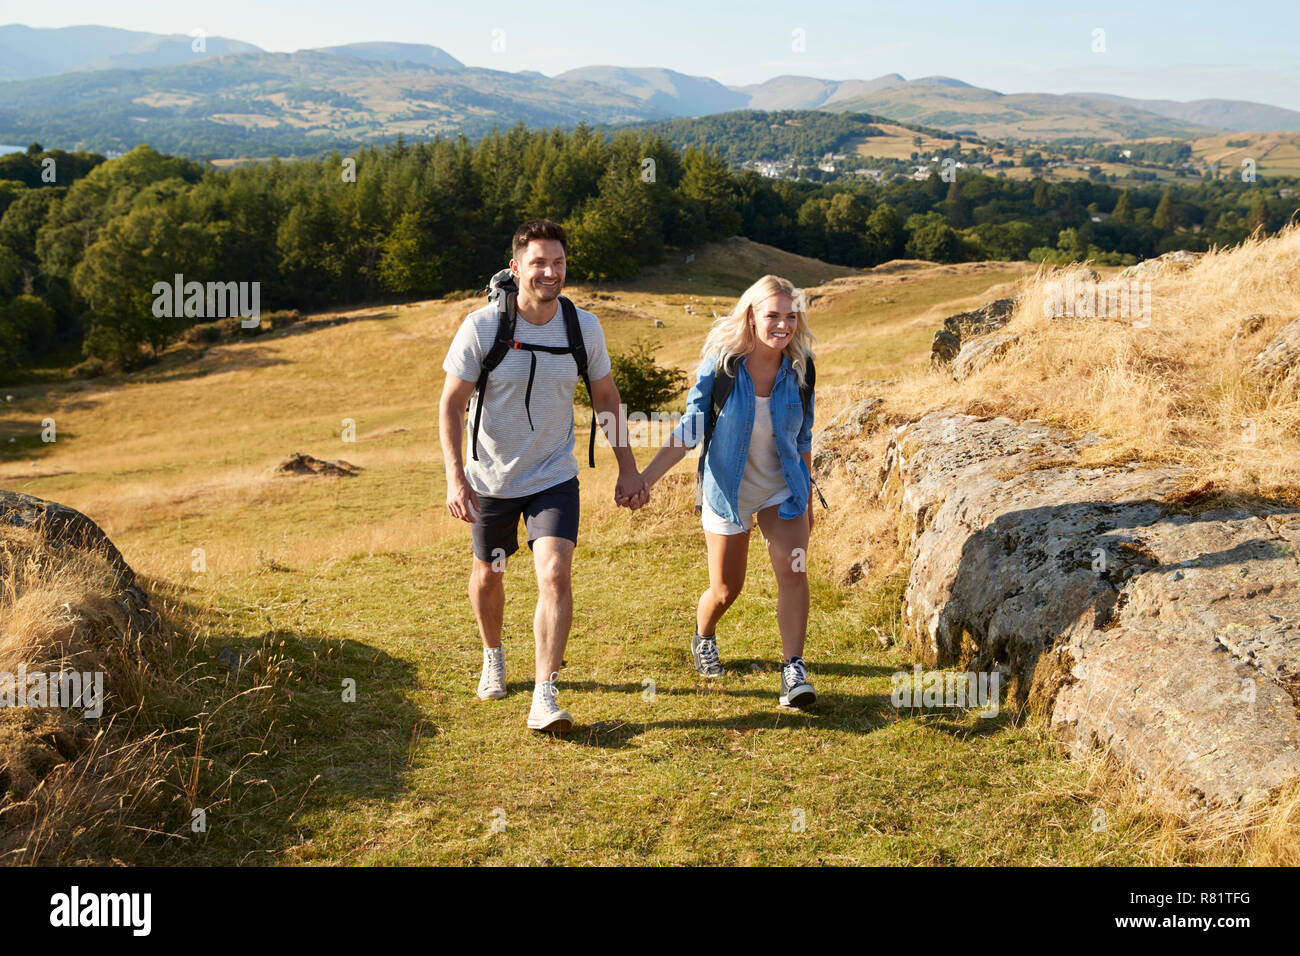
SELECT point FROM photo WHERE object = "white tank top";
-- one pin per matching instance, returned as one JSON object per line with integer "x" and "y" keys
{"x": 763, "y": 483}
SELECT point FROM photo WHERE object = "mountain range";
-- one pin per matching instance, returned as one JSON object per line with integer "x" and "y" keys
{"x": 107, "y": 89}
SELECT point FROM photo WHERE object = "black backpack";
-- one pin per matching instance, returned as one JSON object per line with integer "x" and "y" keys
{"x": 503, "y": 291}
{"x": 723, "y": 382}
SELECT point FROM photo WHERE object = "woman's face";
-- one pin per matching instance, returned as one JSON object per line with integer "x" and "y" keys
{"x": 775, "y": 321}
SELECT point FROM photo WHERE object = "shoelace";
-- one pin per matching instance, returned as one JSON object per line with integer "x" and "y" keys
{"x": 496, "y": 668}
{"x": 549, "y": 691}
{"x": 795, "y": 673}
{"x": 708, "y": 650}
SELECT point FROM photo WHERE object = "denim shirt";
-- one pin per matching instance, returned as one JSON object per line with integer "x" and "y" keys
{"x": 729, "y": 447}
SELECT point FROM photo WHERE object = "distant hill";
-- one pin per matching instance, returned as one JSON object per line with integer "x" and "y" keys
{"x": 30, "y": 52}
{"x": 420, "y": 53}
{"x": 952, "y": 104}
{"x": 809, "y": 93}
{"x": 1234, "y": 115}
{"x": 293, "y": 103}
{"x": 107, "y": 89}
{"x": 674, "y": 93}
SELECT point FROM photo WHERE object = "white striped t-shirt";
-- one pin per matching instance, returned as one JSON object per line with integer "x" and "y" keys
{"x": 515, "y": 459}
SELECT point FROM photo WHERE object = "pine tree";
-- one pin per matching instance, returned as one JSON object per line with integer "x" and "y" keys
{"x": 1123, "y": 211}
{"x": 1166, "y": 214}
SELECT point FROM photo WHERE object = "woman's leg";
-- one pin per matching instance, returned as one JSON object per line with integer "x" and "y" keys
{"x": 787, "y": 546}
{"x": 728, "y": 556}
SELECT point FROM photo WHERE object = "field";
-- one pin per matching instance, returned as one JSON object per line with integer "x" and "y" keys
{"x": 326, "y": 580}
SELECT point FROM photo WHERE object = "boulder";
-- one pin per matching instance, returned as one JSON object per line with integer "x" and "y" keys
{"x": 979, "y": 353}
{"x": 1169, "y": 637}
{"x": 300, "y": 464}
{"x": 960, "y": 328}
{"x": 855, "y": 420}
{"x": 1171, "y": 263}
{"x": 65, "y": 527}
{"x": 1280, "y": 359}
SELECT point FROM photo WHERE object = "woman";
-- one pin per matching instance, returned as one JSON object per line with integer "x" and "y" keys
{"x": 758, "y": 461}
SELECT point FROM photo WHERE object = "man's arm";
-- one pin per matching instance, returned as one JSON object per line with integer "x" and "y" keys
{"x": 630, "y": 490}
{"x": 461, "y": 498}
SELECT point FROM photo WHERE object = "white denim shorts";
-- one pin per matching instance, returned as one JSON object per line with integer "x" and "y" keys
{"x": 714, "y": 522}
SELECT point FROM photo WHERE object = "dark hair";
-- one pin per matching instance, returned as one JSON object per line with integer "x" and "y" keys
{"x": 538, "y": 229}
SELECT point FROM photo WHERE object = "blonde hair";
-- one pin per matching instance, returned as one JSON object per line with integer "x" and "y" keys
{"x": 732, "y": 336}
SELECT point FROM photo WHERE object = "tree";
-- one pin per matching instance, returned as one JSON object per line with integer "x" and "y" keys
{"x": 1123, "y": 211}
{"x": 1259, "y": 215}
{"x": 958, "y": 217}
{"x": 1166, "y": 215}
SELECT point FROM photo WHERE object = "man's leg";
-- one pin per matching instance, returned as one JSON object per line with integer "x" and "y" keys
{"x": 553, "y": 561}
{"x": 495, "y": 533}
{"x": 487, "y": 595}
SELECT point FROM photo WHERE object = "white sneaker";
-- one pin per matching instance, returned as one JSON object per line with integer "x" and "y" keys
{"x": 545, "y": 713}
{"x": 492, "y": 682}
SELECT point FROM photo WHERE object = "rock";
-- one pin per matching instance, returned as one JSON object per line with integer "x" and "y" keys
{"x": 979, "y": 353}
{"x": 1171, "y": 263}
{"x": 1249, "y": 326}
{"x": 62, "y": 526}
{"x": 855, "y": 420}
{"x": 959, "y": 328}
{"x": 945, "y": 347}
{"x": 1131, "y": 622}
{"x": 300, "y": 464}
{"x": 1278, "y": 361}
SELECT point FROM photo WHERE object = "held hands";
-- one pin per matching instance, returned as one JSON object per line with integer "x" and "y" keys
{"x": 631, "y": 491}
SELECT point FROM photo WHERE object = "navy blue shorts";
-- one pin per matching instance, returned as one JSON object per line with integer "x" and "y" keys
{"x": 550, "y": 513}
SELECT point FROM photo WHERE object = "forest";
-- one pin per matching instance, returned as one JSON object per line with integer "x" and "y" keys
{"x": 83, "y": 239}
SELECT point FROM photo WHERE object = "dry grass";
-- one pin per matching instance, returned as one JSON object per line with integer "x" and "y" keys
{"x": 76, "y": 786}
{"x": 1176, "y": 391}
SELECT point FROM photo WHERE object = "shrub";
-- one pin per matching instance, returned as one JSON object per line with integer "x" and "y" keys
{"x": 92, "y": 367}
{"x": 643, "y": 385}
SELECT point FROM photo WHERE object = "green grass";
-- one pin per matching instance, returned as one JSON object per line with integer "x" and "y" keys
{"x": 417, "y": 770}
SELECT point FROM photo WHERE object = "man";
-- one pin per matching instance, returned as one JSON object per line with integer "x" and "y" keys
{"x": 525, "y": 465}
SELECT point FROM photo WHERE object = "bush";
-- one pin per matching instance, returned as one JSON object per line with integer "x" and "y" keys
{"x": 643, "y": 385}
{"x": 282, "y": 318}
{"x": 92, "y": 367}
{"x": 205, "y": 333}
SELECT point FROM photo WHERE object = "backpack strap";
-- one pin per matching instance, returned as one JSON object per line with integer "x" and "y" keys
{"x": 505, "y": 341}
{"x": 579, "y": 350}
{"x": 723, "y": 382}
{"x": 500, "y": 346}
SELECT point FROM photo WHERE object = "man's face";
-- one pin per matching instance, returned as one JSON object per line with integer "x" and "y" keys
{"x": 540, "y": 273}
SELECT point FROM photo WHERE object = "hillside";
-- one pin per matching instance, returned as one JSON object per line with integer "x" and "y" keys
{"x": 310, "y": 581}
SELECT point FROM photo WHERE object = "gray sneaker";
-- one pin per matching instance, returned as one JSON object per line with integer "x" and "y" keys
{"x": 796, "y": 690}
{"x": 704, "y": 651}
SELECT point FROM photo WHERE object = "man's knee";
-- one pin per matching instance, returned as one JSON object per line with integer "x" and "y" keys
{"x": 487, "y": 575}
{"x": 555, "y": 572}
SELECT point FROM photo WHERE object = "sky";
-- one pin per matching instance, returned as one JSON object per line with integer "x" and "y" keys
{"x": 1184, "y": 51}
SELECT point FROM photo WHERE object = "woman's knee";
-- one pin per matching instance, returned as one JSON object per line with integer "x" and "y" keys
{"x": 726, "y": 592}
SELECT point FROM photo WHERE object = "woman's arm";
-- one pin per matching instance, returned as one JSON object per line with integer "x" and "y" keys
{"x": 689, "y": 431}
{"x": 673, "y": 451}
